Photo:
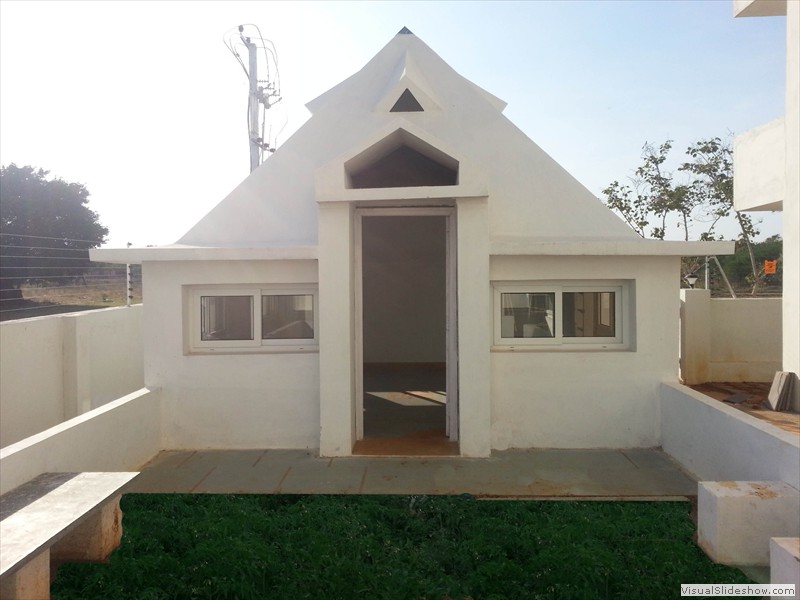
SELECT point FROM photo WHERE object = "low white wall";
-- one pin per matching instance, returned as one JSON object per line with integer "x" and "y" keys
{"x": 114, "y": 357}
{"x": 716, "y": 442}
{"x": 726, "y": 339}
{"x": 119, "y": 436}
{"x": 31, "y": 377}
{"x": 746, "y": 339}
{"x": 60, "y": 366}
{"x": 227, "y": 401}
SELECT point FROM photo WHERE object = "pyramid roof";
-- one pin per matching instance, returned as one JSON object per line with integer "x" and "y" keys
{"x": 530, "y": 194}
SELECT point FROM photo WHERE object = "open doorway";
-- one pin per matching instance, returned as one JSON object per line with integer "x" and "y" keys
{"x": 408, "y": 400}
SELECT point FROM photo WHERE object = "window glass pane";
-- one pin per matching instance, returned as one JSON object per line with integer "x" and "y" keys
{"x": 589, "y": 314}
{"x": 226, "y": 318}
{"x": 287, "y": 317}
{"x": 528, "y": 315}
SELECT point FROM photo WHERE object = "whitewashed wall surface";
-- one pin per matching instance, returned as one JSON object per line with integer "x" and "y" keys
{"x": 716, "y": 442}
{"x": 121, "y": 435}
{"x": 57, "y": 367}
{"x": 723, "y": 339}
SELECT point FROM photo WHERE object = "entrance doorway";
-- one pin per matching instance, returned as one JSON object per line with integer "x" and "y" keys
{"x": 407, "y": 371}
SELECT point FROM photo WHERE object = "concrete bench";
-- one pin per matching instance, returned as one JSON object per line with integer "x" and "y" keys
{"x": 57, "y": 518}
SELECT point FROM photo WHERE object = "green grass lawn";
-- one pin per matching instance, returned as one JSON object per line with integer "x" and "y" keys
{"x": 395, "y": 547}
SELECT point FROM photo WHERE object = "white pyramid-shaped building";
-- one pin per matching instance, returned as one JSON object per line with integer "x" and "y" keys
{"x": 409, "y": 273}
{"x": 532, "y": 196}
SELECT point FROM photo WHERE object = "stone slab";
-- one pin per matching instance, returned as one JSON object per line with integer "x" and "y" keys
{"x": 736, "y": 519}
{"x": 784, "y": 562}
{"x": 28, "y": 531}
{"x": 30, "y": 582}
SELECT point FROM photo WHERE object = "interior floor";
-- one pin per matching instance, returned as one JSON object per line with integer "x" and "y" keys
{"x": 405, "y": 410}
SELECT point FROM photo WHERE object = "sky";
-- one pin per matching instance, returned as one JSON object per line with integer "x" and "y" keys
{"x": 142, "y": 102}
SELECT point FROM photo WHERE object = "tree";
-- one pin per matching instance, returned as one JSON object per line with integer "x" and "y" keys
{"x": 738, "y": 266}
{"x": 703, "y": 198}
{"x": 46, "y": 229}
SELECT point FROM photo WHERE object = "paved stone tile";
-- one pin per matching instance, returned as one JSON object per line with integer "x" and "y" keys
{"x": 512, "y": 473}
{"x": 649, "y": 459}
{"x": 245, "y": 480}
{"x": 400, "y": 475}
{"x": 170, "y": 480}
{"x": 169, "y": 458}
{"x": 322, "y": 476}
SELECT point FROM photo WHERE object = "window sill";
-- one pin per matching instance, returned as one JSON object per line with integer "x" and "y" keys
{"x": 563, "y": 348}
{"x": 254, "y": 350}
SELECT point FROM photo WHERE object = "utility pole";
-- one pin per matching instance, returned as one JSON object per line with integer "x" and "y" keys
{"x": 259, "y": 97}
{"x": 252, "y": 103}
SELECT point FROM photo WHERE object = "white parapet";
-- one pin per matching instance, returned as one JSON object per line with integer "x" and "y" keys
{"x": 784, "y": 562}
{"x": 736, "y": 519}
{"x": 759, "y": 167}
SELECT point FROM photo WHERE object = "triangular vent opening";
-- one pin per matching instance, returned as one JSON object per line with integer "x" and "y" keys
{"x": 407, "y": 103}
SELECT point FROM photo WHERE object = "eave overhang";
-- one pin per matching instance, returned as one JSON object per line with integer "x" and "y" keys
{"x": 538, "y": 247}
{"x": 135, "y": 256}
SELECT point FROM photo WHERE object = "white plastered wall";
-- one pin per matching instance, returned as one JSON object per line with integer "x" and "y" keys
{"x": 60, "y": 366}
{"x": 236, "y": 401}
{"x": 121, "y": 435}
{"x": 745, "y": 339}
{"x": 589, "y": 399}
{"x": 726, "y": 339}
{"x": 31, "y": 377}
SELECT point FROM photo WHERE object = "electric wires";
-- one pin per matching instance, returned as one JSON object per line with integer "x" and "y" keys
{"x": 264, "y": 89}
{"x": 43, "y": 275}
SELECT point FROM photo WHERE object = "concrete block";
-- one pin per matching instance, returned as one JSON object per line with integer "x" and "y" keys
{"x": 736, "y": 519}
{"x": 784, "y": 562}
{"x": 30, "y": 582}
{"x": 93, "y": 540}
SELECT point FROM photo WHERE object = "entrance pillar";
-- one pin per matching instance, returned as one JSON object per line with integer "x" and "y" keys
{"x": 336, "y": 334}
{"x": 474, "y": 327}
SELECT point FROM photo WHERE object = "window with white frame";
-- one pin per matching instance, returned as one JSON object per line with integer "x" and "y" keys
{"x": 252, "y": 319}
{"x": 572, "y": 314}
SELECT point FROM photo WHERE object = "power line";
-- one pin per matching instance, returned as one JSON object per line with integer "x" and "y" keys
{"x": 34, "y": 257}
{"x": 121, "y": 290}
{"x": 260, "y": 97}
{"x": 61, "y": 267}
{"x": 42, "y": 237}
{"x": 90, "y": 273}
{"x": 83, "y": 276}
{"x": 59, "y": 248}
{"x": 8, "y": 310}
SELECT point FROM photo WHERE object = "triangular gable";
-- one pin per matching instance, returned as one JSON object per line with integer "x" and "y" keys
{"x": 401, "y": 160}
{"x": 334, "y": 179}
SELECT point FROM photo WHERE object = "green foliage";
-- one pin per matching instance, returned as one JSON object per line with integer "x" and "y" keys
{"x": 46, "y": 226}
{"x": 701, "y": 201}
{"x": 738, "y": 267}
{"x": 230, "y": 546}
